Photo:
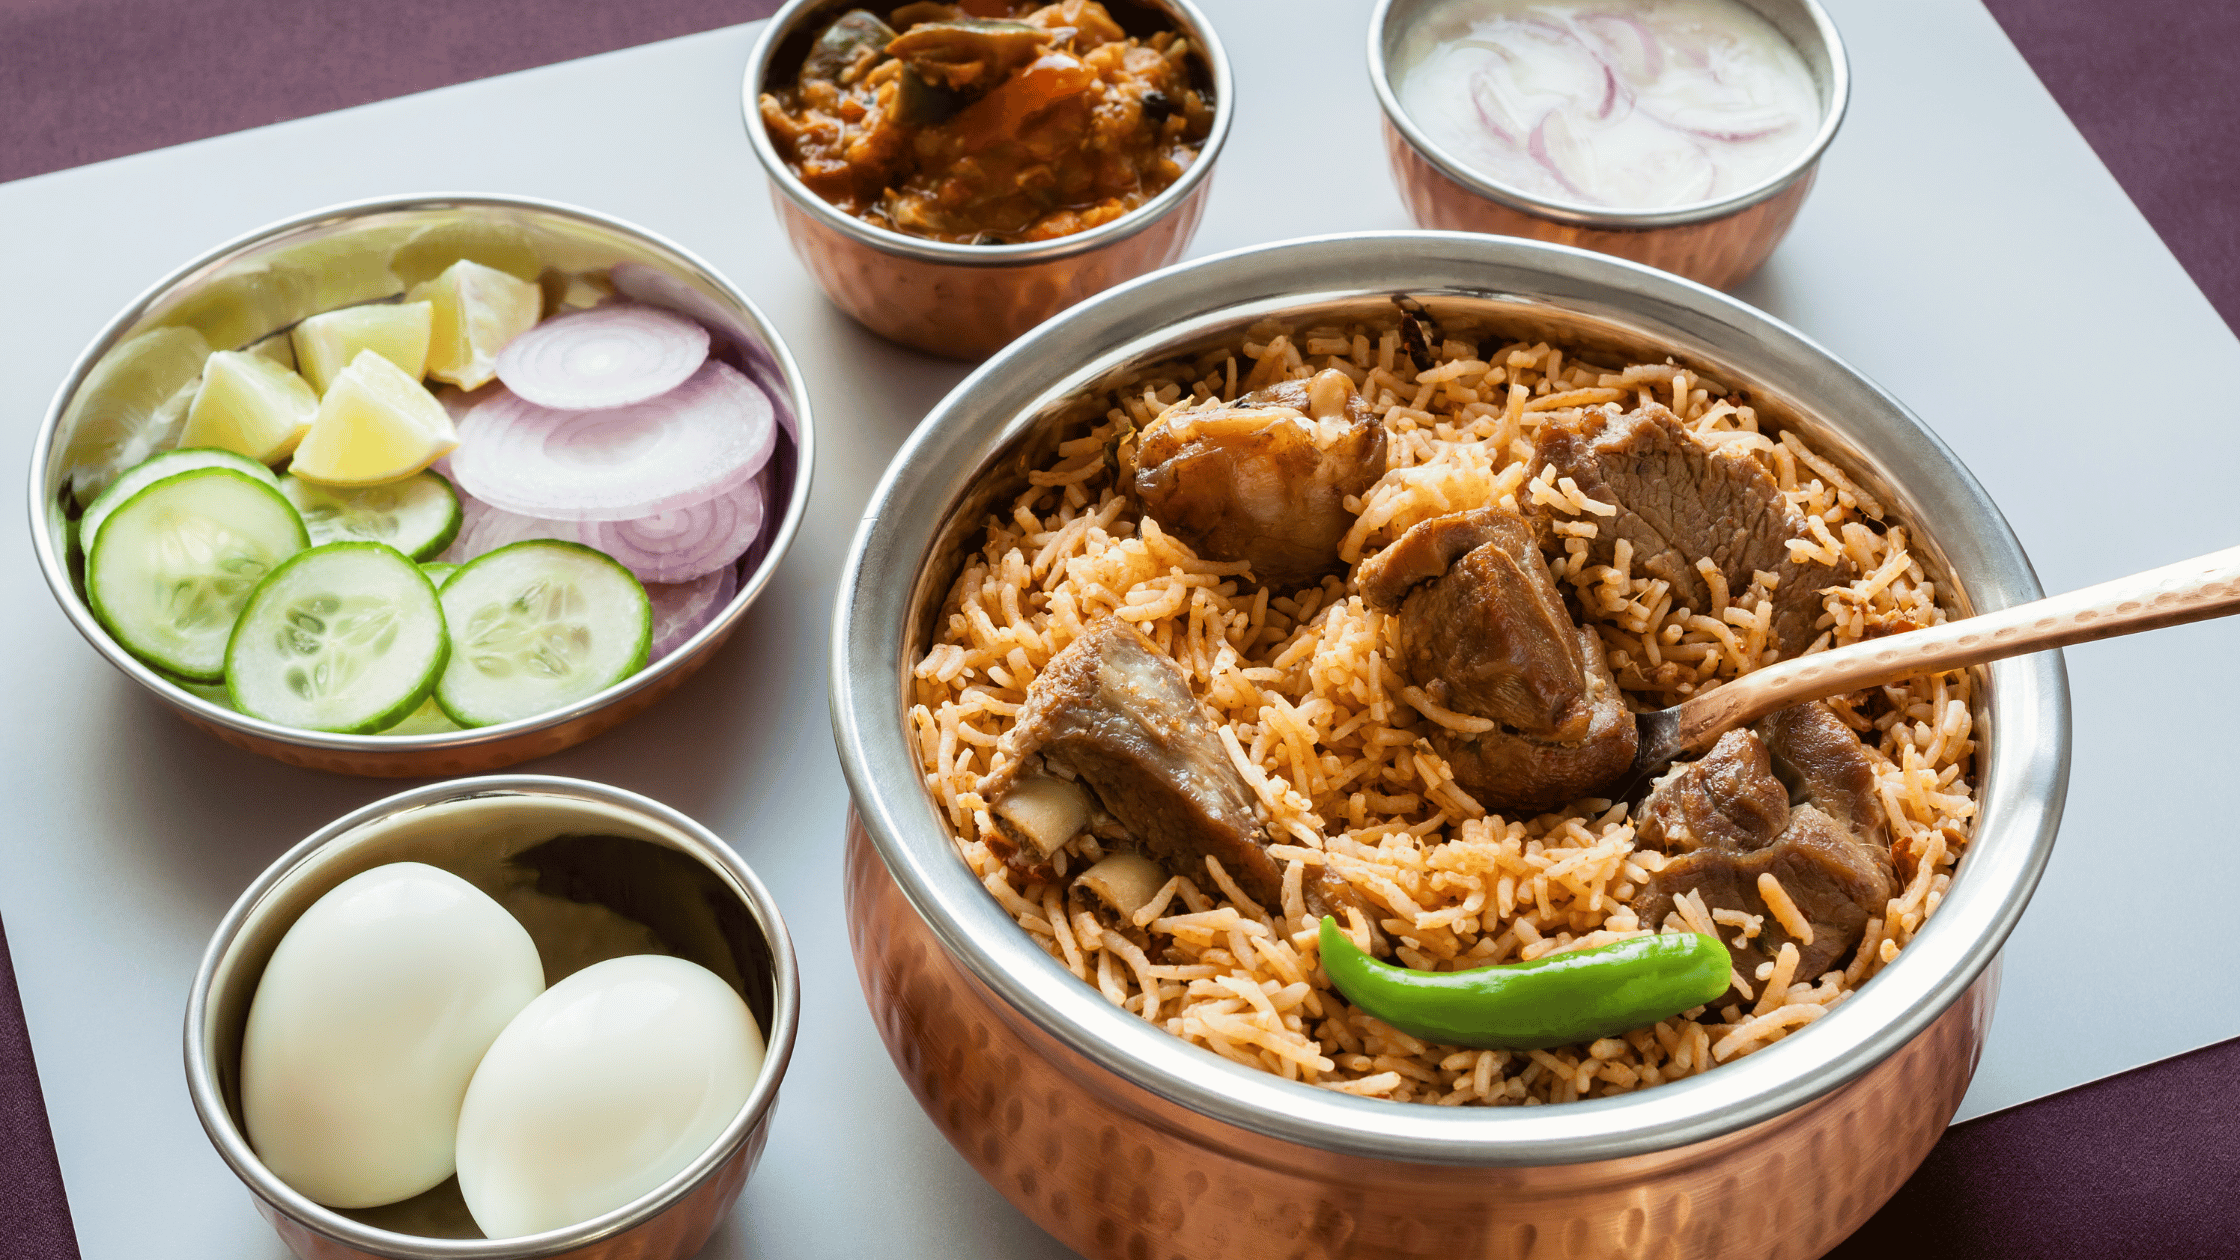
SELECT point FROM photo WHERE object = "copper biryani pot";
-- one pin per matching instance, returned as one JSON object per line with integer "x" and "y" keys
{"x": 968, "y": 301}
{"x": 1719, "y": 243}
{"x": 262, "y": 283}
{"x": 1126, "y": 1143}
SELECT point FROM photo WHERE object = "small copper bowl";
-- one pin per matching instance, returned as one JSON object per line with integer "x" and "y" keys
{"x": 719, "y": 916}
{"x": 1127, "y": 1143}
{"x": 262, "y": 283}
{"x": 1719, "y": 243}
{"x": 968, "y": 301}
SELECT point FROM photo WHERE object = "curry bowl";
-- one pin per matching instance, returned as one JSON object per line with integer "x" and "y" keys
{"x": 264, "y": 283}
{"x": 965, "y": 301}
{"x": 593, "y": 873}
{"x": 1122, "y": 1140}
{"x": 1718, "y": 242}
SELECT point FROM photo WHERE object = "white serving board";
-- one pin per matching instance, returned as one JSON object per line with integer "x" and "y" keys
{"x": 1964, "y": 248}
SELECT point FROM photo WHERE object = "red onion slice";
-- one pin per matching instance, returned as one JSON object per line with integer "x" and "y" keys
{"x": 608, "y": 356}
{"x": 671, "y": 547}
{"x": 681, "y": 545}
{"x": 495, "y": 527}
{"x": 471, "y": 512}
{"x": 680, "y": 609}
{"x": 707, "y": 437}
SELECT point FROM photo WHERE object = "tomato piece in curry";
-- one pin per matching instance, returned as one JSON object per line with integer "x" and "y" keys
{"x": 988, "y": 121}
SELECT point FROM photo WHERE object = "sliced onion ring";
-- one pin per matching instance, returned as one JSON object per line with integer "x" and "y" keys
{"x": 707, "y": 437}
{"x": 493, "y": 528}
{"x": 681, "y": 545}
{"x": 608, "y": 356}
{"x": 680, "y": 609}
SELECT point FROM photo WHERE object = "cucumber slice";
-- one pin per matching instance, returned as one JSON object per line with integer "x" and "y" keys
{"x": 346, "y": 637}
{"x": 418, "y": 516}
{"x": 428, "y": 719}
{"x": 438, "y": 571}
{"x": 215, "y": 692}
{"x": 537, "y": 626}
{"x": 172, "y": 567}
{"x": 152, "y": 470}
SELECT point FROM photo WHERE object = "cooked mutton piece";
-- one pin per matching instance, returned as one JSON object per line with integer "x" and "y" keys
{"x": 1114, "y": 712}
{"x": 1484, "y": 632}
{"x": 969, "y": 54}
{"x": 1264, "y": 479}
{"x": 1792, "y": 798}
{"x": 1679, "y": 499}
{"x": 1522, "y": 776}
{"x": 1481, "y": 624}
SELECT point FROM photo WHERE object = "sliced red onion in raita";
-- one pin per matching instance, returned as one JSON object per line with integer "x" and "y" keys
{"x": 680, "y": 609}
{"x": 608, "y": 356}
{"x": 705, "y": 438}
{"x": 681, "y": 545}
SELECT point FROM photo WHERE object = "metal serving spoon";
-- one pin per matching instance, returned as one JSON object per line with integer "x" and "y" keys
{"x": 2191, "y": 590}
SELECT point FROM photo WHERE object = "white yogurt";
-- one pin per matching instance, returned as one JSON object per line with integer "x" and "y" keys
{"x": 1630, "y": 104}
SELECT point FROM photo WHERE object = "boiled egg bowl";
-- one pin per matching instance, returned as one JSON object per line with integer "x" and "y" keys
{"x": 710, "y": 910}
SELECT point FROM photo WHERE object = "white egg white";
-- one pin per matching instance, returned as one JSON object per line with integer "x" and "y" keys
{"x": 607, "y": 1085}
{"x": 367, "y": 1025}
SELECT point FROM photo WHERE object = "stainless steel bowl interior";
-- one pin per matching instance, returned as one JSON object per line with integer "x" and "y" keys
{"x": 580, "y": 908}
{"x": 785, "y": 42}
{"x": 974, "y": 448}
{"x": 263, "y": 283}
{"x": 1803, "y": 23}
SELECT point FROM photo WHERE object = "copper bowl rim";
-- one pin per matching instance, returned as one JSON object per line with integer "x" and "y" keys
{"x": 1837, "y": 84}
{"x": 55, "y": 566}
{"x": 233, "y": 1145}
{"x": 903, "y": 245}
{"x": 2023, "y": 777}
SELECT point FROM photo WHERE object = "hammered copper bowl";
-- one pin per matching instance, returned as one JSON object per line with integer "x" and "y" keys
{"x": 1719, "y": 242}
{"x": 262, "y": 283}
{"x": 708, "y": 908}
{"x": 968, "y": 301}
{"x": 1127, "y": 1143}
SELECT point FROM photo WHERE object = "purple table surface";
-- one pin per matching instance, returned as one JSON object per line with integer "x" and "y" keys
{"x": 2141, "y": 1164}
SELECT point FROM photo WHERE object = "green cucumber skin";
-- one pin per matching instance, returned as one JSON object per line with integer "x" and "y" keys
{"x": 645, "y": 638}
{"x": 101, "y": 612}
{"x": 433, "y": 547}
{"x": 450, "y": 532}
{"x": 106, "y": 503}
{"x": 386, "y": 718}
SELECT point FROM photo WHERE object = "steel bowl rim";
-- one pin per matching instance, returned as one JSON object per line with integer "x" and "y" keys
{"x": 2023, "y": 788}
{"x": 233, "y": 1145}
{"x": 1587, "y": 214}
{"x": 902, "y": 245}
{"x": 55, "y": 567}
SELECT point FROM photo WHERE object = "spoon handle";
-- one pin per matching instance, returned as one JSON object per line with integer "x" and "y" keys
{"x": 2191, "y": 590}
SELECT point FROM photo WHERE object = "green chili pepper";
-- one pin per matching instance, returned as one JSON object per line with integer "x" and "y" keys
{"x": 1559, "y": 1000}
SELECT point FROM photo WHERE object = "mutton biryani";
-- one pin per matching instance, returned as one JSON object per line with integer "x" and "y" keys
{"x": 1287, "y": 706}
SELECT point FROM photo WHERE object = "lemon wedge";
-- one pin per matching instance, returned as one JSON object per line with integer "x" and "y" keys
{"x": 397, "y": 332}
{"x": 566, "y": 292}
{"x": 130, "y": 407}
{"x": 478, "y": 310}
{"x": 280, "y": 347}
{"x": 249, "y": 405}
{"x": 375, "y": 425}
